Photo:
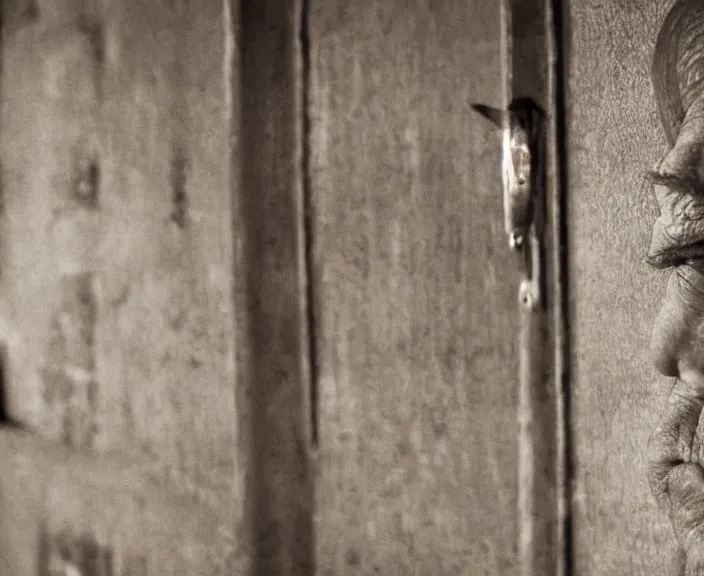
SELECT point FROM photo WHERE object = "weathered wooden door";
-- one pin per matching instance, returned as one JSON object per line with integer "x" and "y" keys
{"x": 256, "y": 309}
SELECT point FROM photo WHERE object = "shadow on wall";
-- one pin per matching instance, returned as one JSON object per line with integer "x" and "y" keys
{"x": 279, "y": 485}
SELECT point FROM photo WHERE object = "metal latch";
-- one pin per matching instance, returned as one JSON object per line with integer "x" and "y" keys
{"x": 523, "y": 181}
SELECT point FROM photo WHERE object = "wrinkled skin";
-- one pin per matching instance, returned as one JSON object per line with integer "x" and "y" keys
{"x": 676, "y": 452}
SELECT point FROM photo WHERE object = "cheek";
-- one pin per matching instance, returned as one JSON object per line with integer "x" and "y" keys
{"x": 678, "y": 336}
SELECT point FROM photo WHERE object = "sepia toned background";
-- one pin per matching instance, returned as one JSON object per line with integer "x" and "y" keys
{"x": 257, "y": 310}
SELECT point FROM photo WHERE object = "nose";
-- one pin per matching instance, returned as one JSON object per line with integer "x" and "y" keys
{"x": 664, "y": 357}
{"x": 667, "y": 336}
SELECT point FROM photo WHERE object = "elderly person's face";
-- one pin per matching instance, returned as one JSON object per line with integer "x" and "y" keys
{"x": 678, "y": 244}
{"x": 676, "y": 451}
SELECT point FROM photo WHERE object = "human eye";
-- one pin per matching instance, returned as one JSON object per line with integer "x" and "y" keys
{"x": 689, "y": 254}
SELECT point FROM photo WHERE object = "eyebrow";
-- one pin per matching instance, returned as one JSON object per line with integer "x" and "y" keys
{"x": 686, "y": 184}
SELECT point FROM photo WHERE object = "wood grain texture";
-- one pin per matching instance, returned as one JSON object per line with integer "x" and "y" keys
{"x": 616, "y": 397}
{"x": 417, "y": 325}
{"x": 165, "y": 338}
{"x": 118, "y": 266}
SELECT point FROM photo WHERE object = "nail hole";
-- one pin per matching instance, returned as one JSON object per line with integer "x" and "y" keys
{"x": 88, "y": 183}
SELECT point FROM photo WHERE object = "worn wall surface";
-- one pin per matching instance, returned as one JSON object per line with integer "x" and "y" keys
{"x": 616, "y": 396}
{"x": 415, "y": 300}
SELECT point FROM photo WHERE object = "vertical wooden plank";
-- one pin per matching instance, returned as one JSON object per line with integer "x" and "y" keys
{"x": 118, "y": 121}
{"x": 415, "y": 292}
{"x": 117, "y": 284}
{"x": 272, "y": 308}
{"x": 614, "y": 137}
{"x": 166, "y": 333}
{"x": 166, "y": 249}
